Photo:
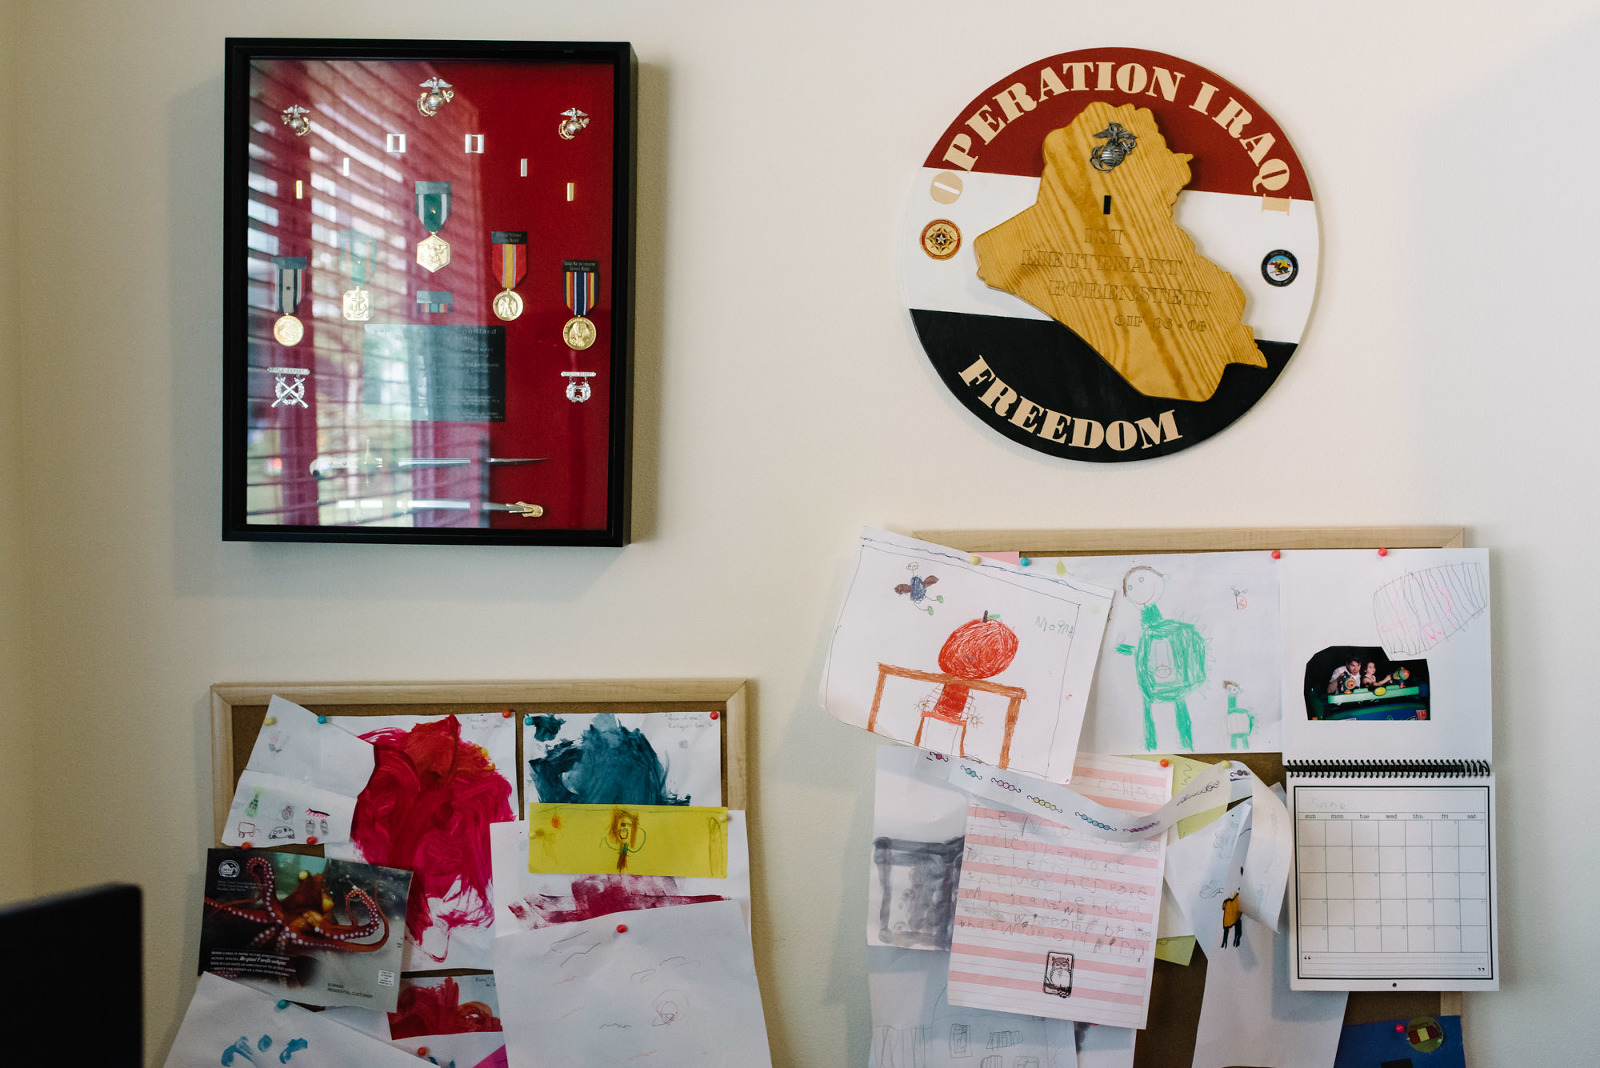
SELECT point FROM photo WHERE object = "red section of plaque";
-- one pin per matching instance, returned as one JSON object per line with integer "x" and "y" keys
{"x": 1220, "y": 125}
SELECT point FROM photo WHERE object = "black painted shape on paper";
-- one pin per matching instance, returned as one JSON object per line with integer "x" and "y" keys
{"x": 918, "y": 880}
{"x": 434, "y": 374}
{"x": 546, "y": 727}
{"x": 1053, "y": 367}
{"x": 609, "y": 765}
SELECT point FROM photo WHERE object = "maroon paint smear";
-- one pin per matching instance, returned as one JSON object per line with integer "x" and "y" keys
{"x": 602, "y": 895}
{"x": 427, "y": 808}
{"x": 437, "y": 1010}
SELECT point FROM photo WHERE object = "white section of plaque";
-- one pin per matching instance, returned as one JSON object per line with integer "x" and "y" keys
{"x": 1230, "y": 230}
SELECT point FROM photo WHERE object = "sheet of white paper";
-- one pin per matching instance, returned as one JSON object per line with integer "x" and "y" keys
{"x": 367, "y": 1021}
{"x": 231, "y": 1025}
{"x": 459, "y": 1050}
{"x": 296, "y": 746}
{"x": 1197, "y": 872}
{"x": 1190, "y": 657}
{"x": 1423, "y": 612}
{"x": 1250, "y": 1016}
{"x": 988, "y": 660}
{"x": 918, "y": 823}
{"x": 527, "y": 902}
{"x": 1173, "y": 921}
{"x": 300, "y": 782}
{"x": 269, "y": 810}
{"x": 462, "y": 928}
{"x": 915, "y": 1026}
{"x": 1100, "y": 1046}
{"x": 660, "y": 758}
{"x": 1053, "y": 921}
{"x": 1266, "y": 866}
{"x": 676, "y": 989}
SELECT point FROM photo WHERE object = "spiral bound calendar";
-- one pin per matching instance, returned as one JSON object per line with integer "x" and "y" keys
{"x": 1387, "y": 746}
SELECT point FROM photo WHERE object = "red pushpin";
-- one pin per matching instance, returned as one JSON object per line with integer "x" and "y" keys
{"x": 622, "y": 928}
{"x": 422, "y": 1051}
{"x": 247, "y": 845}
{"x": 715, "y": 715}
{"x": 1399, "y": 1029}
{"x": 1166, "y": 763}
{"x": 1277, "y": 554}
{"x": 1383, "y": 552}
{"x": 507, "y": 714}
{"x": 311, "y": 839}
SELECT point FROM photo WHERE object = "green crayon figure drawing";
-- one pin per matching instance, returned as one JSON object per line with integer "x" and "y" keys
{"x": 1170, "y": 660}
{"x": 1241, "y": 721}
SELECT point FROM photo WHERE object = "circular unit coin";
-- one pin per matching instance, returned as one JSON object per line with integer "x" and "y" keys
{"x": 1115, "y": 312}
{"x": 940, "y": 239}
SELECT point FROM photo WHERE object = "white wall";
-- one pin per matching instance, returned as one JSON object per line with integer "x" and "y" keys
{"x": 16, "y": 720}
{"x": 1449, "y": 377}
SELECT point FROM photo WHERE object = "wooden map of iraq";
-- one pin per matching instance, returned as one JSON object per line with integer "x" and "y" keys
{"x": 1100, "y": 252}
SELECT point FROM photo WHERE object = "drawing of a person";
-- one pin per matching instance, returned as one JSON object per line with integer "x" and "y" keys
{"x": 1241, "y": 722}
{"x": 624, "y": 835}
{"x": 1170, "y": 660}
{"x": 1230, "y": 918}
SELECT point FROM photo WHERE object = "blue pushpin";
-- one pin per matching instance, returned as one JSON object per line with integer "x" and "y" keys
{"x": 527, "y": 721}
{"x": 284, "y": 1004}
{"x": 1024, "y": 561}
{"x": 322, "y": 719}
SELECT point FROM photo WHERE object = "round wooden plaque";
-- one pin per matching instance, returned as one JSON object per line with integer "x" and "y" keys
{"x": 1110, "y": 254}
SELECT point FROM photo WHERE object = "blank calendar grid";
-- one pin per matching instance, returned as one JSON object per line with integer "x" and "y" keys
{"x": 1393, "y": 885}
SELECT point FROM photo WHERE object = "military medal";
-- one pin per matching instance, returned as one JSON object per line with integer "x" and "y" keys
{"x": 289, "y": 386}
{"x": 288, "y": 276}
{"x": 579, "y": 333}
{"x": 437, "y": 94}
{"x": 433, "y": 208}
{"x": 511, "y": 261}
{"x": 578, "y": 389}
{"x": 358, "y": 253}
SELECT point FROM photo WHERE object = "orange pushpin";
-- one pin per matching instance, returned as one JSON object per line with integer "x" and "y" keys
{"x": 1166, "y": 763}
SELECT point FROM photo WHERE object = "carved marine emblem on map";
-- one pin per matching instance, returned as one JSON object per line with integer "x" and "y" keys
{"x": 1107, "y": 156}
{"x": 1100, "y": 253}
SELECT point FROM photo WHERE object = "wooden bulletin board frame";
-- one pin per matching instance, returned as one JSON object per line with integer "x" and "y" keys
{"x": 237, "y": 710}
{"x": 1176, "y": 991}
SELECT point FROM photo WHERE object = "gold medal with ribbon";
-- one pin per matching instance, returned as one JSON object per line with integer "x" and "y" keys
{"x": 357, "y": 251}
{"x": 288, "y": 282}
{"x": 433, "y": 208}
{"x": 510, "y": 263}
{"x": 582, "y": 278}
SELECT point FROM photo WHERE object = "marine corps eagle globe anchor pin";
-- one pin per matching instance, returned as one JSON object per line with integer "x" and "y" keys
{"x": 437, "y": 93}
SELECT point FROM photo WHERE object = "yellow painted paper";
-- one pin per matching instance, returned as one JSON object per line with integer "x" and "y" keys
{"x": 683, "y": 840}
{"x": 1178, "y": 949}
{"x": 1184, "y": 769}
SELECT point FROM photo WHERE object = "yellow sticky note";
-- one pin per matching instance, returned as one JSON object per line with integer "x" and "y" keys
{"x": 1184, "y": 769}
{"x": 684, "y": 840}
{"x": 1178, "y": 950}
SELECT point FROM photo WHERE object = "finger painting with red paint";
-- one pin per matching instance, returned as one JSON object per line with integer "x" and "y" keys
{"x": 427, "y": 808}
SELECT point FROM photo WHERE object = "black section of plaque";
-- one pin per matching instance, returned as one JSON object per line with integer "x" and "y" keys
{"x": 434, "y": 374}
{"x": 1053, "y": 367}
{"x": 508, "y": 237}
{"x": 580, "y": 265}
